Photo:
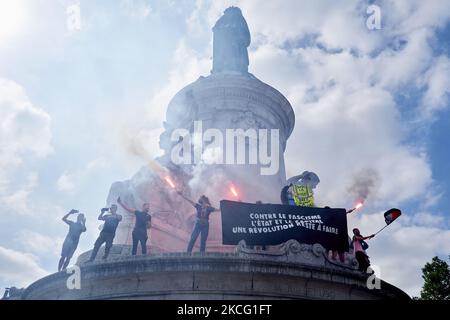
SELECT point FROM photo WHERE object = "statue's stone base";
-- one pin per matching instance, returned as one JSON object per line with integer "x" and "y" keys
{"x": 302, "y": 272}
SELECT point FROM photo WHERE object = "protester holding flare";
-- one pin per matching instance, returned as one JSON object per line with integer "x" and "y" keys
{"x": 204, "y": 209}
{"x": 143, "y": 222}
{"x": 358, "y": 206}
{"x": 71, "y": 242}
{"x": 340, "y": 255}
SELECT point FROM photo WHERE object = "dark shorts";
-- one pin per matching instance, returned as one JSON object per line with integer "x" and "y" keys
{"x": 140, "y": 233}
{"x": 363, "y": 261}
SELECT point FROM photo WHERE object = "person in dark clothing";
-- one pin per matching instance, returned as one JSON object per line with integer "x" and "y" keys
{"x": 359, "y": 251}
{"x": 286, "y": 196}
{"x": 204, "y": 209}
{"x": 337, "y": 254}
{"x": 108, "y": 231}
{"x": 143, "y": 222}
{"x": 73, "y": 237}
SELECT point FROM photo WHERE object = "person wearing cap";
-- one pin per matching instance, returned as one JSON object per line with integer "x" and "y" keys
{"x": 201, "y": 227}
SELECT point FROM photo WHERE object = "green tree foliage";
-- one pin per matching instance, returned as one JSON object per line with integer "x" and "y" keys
{"x": 436, "y": 276}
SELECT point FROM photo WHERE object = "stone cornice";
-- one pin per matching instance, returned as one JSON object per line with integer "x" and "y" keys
{"x": 245, "y": 88}
{"x": 213, "y": 275}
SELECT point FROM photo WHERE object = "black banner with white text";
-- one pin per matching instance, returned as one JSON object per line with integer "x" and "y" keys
{"x": 272, "y": 224}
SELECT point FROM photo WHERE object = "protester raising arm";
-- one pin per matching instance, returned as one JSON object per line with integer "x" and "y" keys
{"x": 215, "y": 209}
{"x": 187, "y": 199}
{"x": 101, "y": 216}
{"x": 142, "y": 223}
{"x": 73, "y": 211}
{"x": 360, "y": 237}
{"x": 130, "y": 210}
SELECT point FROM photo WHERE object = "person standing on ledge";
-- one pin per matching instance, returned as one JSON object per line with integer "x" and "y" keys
{"x": 143, "y": 222}
{"x": 108, "y": 231}
{"x": 73, "y": 237}
{"x": 359, "y": 247}
{"x": 204, "y": 209}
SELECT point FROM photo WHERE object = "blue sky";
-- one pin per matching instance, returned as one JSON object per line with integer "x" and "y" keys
{"x": 438, "y": 146}
{"x": 76, "y": 104}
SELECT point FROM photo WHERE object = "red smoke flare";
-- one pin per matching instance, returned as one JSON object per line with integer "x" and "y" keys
{"x": 170, "y": 182}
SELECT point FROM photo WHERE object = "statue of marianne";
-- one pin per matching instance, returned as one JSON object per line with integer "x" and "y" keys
{"x": 231, "y": 39}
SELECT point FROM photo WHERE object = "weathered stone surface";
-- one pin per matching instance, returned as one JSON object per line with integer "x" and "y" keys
{"x": 238, "y": 275}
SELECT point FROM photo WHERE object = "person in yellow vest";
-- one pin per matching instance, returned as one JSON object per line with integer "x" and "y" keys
{"x": 303, "y": 195}
{"x": 302, "y": 188}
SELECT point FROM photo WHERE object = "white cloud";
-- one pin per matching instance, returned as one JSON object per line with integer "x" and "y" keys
{"x": 70, "y": 182}
{"x": 437, "y": 80}
{"x": 187, "y": 66}
{"x": 19, "y": 200}
{"x": 427, "y": 219}
{"x": 98, "y": 163}
{"x": 25, "y": 136}
{"x": 140, "y": 136}
{"x": 13, "y": 15}
{"x": 24, "y": 127}
{"x": 65, "y": 183}
{"x": 139, "y": 9}
{"x": 402, "y": 16}
{"x": 39, "y": 244}
{"x": 362, "y": 127}
{"x": 19, "y": 268}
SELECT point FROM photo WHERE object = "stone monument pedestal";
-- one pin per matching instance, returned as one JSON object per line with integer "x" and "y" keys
{"x": 297, "y": 271}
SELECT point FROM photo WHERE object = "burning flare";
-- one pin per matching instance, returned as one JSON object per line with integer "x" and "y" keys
{"x": 359, "y": 205}
{"x": 170, "y": 182}
{"x": 233, "y": 191}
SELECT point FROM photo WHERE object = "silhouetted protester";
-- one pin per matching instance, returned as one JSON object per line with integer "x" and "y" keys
{"x": 143, "y": 222}
{"x": 204, "y": 209}
{"x": 108, "y": 231}
{"x": 336, "y": 254}
{"x": 359, "y": 247}
{"x": 73, "y": 237}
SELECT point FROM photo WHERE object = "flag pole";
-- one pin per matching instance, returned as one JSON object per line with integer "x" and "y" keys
{"x": 391, "y": 218}
{"x": 381, "y": 229}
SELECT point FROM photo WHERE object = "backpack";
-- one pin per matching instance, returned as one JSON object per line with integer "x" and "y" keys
{"x": 364, "y": 245}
